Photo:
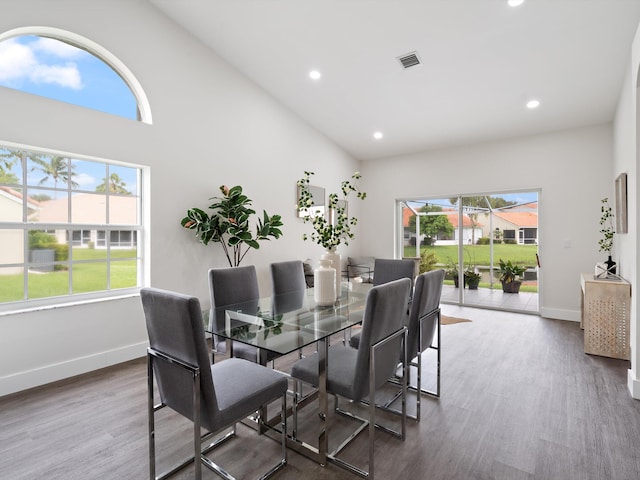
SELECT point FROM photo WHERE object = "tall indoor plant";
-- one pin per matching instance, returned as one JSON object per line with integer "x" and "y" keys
{"x": 229, "y": 224}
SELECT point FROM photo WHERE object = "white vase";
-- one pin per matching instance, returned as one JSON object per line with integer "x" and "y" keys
{"x": 336, "y": 262}
{"x": 324, "y": 284}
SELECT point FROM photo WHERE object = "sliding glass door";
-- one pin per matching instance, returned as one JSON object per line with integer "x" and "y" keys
{"x": 472, "y": 236}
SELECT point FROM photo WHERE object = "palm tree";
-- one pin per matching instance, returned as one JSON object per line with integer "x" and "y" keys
{"x": 116, "y": 185}
{"x": 57, "y": 168}
{"x": 8, "y": 158}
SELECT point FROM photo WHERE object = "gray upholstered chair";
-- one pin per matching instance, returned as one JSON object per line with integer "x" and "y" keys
{"x": 387, "y": 270}
{"x": 235, "y": 286}
{"x": 214, "y": 397}
{"x": 424, "y": 327}
{"x": 289, "y": 286}
{"x": 356, "y": 374}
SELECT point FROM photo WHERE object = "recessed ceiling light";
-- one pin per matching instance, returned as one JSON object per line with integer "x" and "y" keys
{"x": 515, "y": 3}
{"x": 315, "y": 74}
{"x": 378, "y": 135}
{"x": 533, "y": 104}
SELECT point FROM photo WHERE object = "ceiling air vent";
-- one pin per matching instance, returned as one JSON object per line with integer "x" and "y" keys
{"x": 410, "y": 60}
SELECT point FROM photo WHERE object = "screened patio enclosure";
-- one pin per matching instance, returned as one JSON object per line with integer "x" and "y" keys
{"x": 469, "y": 236}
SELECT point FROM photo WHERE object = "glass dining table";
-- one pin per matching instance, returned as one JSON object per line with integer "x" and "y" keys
{"x": 287, "y": 323}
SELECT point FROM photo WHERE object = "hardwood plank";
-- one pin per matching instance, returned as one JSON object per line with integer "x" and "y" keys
{"x": 520, "y": 400}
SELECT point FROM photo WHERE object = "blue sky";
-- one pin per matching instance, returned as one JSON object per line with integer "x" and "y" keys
{"x": 54, "y": 69}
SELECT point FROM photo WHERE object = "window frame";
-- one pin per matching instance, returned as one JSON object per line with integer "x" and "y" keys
{"x": 139, "y": 228}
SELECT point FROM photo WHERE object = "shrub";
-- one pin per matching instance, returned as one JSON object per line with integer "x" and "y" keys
{"x": 39, "y": 240}
{"x": 483, "y": 241}
{"x": 62, "y": 252}
{"x": 427, "y": 261}
{"x": 510, "y": 241}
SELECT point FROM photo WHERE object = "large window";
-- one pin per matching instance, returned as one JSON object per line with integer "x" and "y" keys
{"x": 68, "y": 225}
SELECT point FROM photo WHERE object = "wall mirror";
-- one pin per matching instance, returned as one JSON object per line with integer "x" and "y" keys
{"x": 621, "y": 203}
{"x": 319, "y": 202}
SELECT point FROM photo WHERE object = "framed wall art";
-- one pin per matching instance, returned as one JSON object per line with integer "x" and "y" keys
{"x": 621, "y": 203}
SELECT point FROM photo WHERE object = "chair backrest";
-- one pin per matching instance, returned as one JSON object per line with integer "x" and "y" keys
{"x": 287, "y": 277}
{"x": 386, "y": 270}
{"x": 424, "y": 307}
{"x": 175, "y": 328}
{"x": 289, "y": 286}
{"x": 233, "y": 285}
{"x": 384, "y": 314}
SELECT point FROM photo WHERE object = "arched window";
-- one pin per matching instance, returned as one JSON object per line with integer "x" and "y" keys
{"x": 63, "y": 66}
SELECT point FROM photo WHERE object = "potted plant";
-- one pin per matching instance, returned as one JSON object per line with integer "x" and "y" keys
{"x": 509, "y": 275}
{"x": 229, "y": 224}
{"x": 472, "y": 279}
{"x": 451, "y": 272}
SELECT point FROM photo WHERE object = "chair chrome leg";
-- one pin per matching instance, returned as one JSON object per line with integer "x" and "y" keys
{"x": 151, "y": 413}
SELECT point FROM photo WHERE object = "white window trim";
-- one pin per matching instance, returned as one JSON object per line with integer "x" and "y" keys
{"x": 144, "y": 271}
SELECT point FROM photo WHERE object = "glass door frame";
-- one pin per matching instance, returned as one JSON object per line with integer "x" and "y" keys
{"x": 461, "y": 212}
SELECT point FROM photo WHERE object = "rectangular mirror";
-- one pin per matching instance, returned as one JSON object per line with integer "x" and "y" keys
{"x": 318, "y": 207}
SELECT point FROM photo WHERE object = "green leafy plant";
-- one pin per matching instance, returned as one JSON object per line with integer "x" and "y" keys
{"x": 508, "y": 271}
{"x": 428, "y": 261}
{"x": 606, "y": 226}
{"x": 335, "y": 230}
{"x": 229, "y": 224}
{"x": 471, "y": 276}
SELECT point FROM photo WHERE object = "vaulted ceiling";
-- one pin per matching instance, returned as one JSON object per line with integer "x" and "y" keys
{"x": 481, "y": 62}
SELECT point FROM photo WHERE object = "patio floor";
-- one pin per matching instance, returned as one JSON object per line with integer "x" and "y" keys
{"x": 525, "y": 302}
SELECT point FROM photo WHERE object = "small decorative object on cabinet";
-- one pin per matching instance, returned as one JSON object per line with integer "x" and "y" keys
{"x": 605, "y": 309}
{"x": 606, "y": 242}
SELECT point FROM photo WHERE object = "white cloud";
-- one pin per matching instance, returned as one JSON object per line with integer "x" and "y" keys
{"x": 16, "y": 61}
{"x": 84, "y": 179}
{"x": 19, "y": 63}
{"x": 57, "y": 48}
{"x": 63, "y": 75}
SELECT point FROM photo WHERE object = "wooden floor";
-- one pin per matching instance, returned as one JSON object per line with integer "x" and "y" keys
{"x": 520, "y": 400}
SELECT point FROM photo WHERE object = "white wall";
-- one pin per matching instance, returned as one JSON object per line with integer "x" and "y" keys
{"x": 626, "y": 140}
{"x": 572, "y": 169}
{"x": 210, "y": 127}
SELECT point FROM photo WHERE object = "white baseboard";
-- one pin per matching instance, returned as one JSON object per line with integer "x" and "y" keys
{"x": 633, "y": 384}
{"x": 59, "y": 371}
{"x": 559, "y": 314}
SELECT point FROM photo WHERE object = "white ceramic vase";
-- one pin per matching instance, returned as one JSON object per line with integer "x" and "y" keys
{"x": 324, "y": 284}
{"x": 336, "y": 262}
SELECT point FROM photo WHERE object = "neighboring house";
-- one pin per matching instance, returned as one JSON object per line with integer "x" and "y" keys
{"x": 91, "y": 209}
{"x": 470, "y": 234}
{"x": 518, "y": 224}
{"x": 12, "y": 251}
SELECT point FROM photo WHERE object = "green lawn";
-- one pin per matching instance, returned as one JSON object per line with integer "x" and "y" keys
{"x": 480, "y": 254}
{"x": 87, "y": 277}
